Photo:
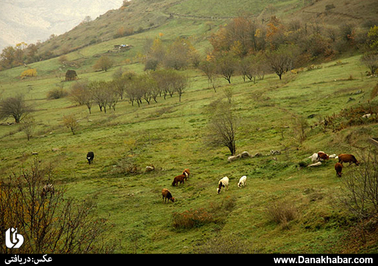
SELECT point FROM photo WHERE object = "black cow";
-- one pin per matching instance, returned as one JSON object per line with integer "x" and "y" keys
{"x": 90, "y": 157}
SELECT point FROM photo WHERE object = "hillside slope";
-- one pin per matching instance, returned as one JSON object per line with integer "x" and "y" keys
{"x": 171, "y": 135}
{"x": 143, "y": 15}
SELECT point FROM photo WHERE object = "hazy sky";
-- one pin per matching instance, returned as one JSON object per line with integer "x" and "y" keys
{"x": 33, "y": 20}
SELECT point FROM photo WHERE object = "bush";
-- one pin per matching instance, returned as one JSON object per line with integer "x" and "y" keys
{"x": 70, "y": 121}
{"x": 216, "y": 213}
{"x": 282, "y": 212}
{"x": 353, "y": 116}
{"x": 49, "y": 222}
{"x": 192, "y": 218}
{"x": 151, "y": 64}
{"x": 32, "y": 72}
{"x": 71, "y": 75}
{"x": 360, "y": 185}
{"x": 57, "y": 93}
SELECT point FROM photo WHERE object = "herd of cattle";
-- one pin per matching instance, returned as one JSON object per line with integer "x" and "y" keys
{"x": 316, "y": 158}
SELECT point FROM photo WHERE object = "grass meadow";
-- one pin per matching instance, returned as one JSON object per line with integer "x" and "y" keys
{"x": 170, "y": 135}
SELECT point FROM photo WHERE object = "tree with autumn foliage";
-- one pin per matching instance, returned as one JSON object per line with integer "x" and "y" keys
{"x": 274, "y": 33}
{"x": 180, "y": 54}
{"x": 241, "y": 36}
{"x": 373, "y": 38}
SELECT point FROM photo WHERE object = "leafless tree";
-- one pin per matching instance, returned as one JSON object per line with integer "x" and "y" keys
{"x": 370, "y": 60}
{"x": 27, "y": 126}
{"x": 99, "y": 93}
{"x": 49, "y": 221}
{"x": 299, "y": 126}
{"x": 70, "y": 121}
{"x": 81, "y": 94}
{"x": 280, "y": 61}
{"x": 103, "y": 63}
{"x": 209, "y": 69}
{"x": 15, "y": 107}
{"x": 226, "y": 66}
{"x": 222, "y": 126}
{"x": 361, "y": 187}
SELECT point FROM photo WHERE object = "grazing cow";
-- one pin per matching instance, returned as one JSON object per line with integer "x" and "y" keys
{"x": 177, "y": 179}
{"x": 338, "y": 168}
{"x": 315, "y": 164}
{"x": 242, "y": 181}
{"x": 186, "y": 172}
{"x": 167, "y": 195}
{"x": 90, "y": 157}
{"x": 319, "y": 156}
{"x": 314, "y": 157}
{"x": 222, "y": 183}
{"x": 47, "y": 188}
{"x": 322, "y": 156}
{"x": 348, "y": 158}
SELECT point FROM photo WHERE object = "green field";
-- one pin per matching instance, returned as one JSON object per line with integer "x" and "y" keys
{"x": 171, "y": 136}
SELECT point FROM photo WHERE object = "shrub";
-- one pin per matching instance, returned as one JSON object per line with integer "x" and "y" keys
{"x": 360, "y": 185}
{"x": 127, "y": 166}
{"x": 57, "y": 93}
{"x": 32, "y": 72}
{"x": 282, "y": 212}
{"x": 353, "y": 116}
{"x": 71, "y": 75}
{"x": 192, "y": 218}
{"x": 216, "y": 213}
{"x": 151, "y": 64}
{"x": 70, "y": 121}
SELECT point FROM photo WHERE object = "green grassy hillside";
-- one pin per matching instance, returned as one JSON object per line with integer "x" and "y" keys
{"x": 200, "y": 17}
{"x": 171, "y": 135}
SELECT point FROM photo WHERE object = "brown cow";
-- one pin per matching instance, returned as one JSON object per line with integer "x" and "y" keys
{"x": 177, "y": 179}
{"x": 186, "y": 172}
{"x": 348, "y": 158}
{"x": 322, "y": 156}
{"x": 167, "y": 195}
{"x": 338, "y": 168}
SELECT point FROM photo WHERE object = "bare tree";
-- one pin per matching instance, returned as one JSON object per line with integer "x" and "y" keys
{"x": 222, "y": 126}
{"x": 27, "y": 126}
{"x": 370, "y": 60}
{"x": 15, "y": 107}
{"x": 361, "y": 188}
{"x": 280, "y": 61}
{"x": 99, "y": 93}
{"x": 70, "y": 121}
{"x": 103, "y": 63}
{"x": 48, "y": 220}
{"x": 299, "y": 128}
{"x": 226, "y": 66}
{"x": 209, "y": 69}
{"x": 179, "y": 83}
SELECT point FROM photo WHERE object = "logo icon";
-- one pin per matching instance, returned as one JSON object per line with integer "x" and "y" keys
{"x": 12, "y": 239}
